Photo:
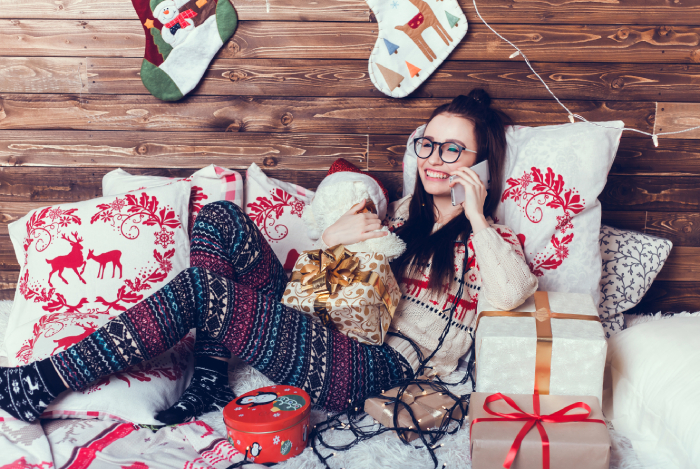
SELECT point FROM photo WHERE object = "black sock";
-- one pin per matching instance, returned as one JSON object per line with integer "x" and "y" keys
{"x": 208, "y": 391}
{"x": 27, "y": 390}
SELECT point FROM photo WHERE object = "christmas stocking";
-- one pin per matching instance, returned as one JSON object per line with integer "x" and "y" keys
{"x": 182, "y": 36}
{"x": 415, "y": 36}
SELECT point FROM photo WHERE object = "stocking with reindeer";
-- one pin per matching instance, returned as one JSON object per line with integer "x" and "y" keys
{"x": 415, "y": 36}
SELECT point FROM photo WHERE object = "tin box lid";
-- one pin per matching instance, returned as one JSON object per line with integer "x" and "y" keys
{"x": 268, "y": 409}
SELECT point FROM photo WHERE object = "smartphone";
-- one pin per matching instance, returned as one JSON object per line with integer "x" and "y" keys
{"x": 481, "y": 170}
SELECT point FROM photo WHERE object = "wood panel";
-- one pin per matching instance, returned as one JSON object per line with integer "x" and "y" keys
{"x": 522, "y": 11}
{"x": 670, "y": 297}
{"x": 611, "y": 43}
{"x": 80, "y": 149}
{"x": 683, "y": 265}
{"x": 8, "y": 285}
{"x": 675, "y": 117}
{"x": 350, "y": 78}
{"x": 43, "y": 75}
{"x": 305, "y": 115}
{"x": 651, "y": 193}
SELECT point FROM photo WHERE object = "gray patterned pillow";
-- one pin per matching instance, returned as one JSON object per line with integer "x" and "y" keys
{"x": 631, "y": 261}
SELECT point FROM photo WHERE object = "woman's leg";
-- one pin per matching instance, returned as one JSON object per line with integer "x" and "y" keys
{"x": 280, "y": 342}
{"x": 226, "y": 242}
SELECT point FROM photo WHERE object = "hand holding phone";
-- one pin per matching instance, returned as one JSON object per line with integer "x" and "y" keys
{"x": 481, "y": 170}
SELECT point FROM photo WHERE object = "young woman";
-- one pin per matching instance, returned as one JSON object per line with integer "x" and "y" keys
{"x": 231, "y": 293}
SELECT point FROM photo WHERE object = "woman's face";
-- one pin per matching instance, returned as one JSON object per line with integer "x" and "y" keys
{"x": 434, "y": 172}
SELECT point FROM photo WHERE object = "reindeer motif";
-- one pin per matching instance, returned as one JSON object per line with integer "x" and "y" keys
{"x": 72, "y": 260}
{"x": 423, "y": 20}
{"x": 66, "y": 342}
{"x": 103, "y": 259}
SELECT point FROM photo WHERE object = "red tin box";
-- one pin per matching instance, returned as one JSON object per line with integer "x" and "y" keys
{"x": 271, "y": 423}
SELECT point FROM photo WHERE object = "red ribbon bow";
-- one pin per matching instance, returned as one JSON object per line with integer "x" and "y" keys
{"x": 533, "y": 419}
{"x": 181, "y": 19}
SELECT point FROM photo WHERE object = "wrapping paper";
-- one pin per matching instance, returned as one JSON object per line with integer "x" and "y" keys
{"x": 506, "y": 349}
{"x": 572, "y": 445}
{"x": 427, "y": 405}
{"x": 360, "y": 301}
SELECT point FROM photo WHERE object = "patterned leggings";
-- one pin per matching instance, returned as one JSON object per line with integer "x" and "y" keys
{"x": 231, "y": 296}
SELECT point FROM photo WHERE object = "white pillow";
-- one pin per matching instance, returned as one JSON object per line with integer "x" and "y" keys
{"x": 631, "y": 262}
{"x": 656, "y": 390}
{"x": 124, "y": 247}
{"x": 209, "y": 184}
{"x": 276, "y": 208}
{"x": 552, "y": 177}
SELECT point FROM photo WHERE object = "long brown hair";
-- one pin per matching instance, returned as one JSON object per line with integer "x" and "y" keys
{"x": 437, "y": 249}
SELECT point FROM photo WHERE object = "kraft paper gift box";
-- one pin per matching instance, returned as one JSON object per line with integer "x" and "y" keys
{"x": 429, "y": 408}
{"x": 556, "y": 346}
{"x": 355, "y": 293}
{"x": 561, "y": 432}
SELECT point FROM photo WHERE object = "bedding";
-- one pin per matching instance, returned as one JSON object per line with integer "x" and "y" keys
{"x": 655, "y": 398}
{"x": 36, "y": 441}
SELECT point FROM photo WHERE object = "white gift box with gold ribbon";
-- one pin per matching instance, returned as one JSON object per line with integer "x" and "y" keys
{"x": 551, "y": 344}
{"x": 355, "y": 293}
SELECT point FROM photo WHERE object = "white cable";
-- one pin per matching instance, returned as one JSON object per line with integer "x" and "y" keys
{"x": 572, "y": 115}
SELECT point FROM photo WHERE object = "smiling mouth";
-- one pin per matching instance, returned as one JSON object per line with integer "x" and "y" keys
{"x": 436, "y": 174}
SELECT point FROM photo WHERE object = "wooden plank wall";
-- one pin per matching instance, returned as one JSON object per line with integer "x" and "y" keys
{"x": 291, "y": 92}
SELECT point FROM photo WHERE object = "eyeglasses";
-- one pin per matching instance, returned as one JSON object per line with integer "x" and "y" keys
{"x": 424, "y": 147}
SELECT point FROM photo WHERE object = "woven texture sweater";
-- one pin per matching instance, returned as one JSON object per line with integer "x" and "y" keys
{"x": 495, "y": 267}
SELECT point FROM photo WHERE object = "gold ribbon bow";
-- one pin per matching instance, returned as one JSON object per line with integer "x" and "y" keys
{"x": 330, "y": 270}
{"x": 543, "y": 315}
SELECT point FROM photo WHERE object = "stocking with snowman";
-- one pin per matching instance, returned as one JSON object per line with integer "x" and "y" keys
{"x": 182, "y": 37}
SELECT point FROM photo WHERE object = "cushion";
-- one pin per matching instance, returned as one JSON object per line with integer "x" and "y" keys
{"x": 83, "y": 264}
{"x": 209, "y": 184}
{"x": 631, "y": 262}
{"x": 135, "y": 394}
{"x": 552, "y": 178}
{"x": 656, "y": 390}
{"x": 276, "y": 208}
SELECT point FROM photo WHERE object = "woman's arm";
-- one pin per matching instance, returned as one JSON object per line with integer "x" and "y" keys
{"x": 506, "y": 279}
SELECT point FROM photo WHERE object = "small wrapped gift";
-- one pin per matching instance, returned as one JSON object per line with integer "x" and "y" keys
{"x": 355, "y": 293}
{"x": 529, "y": 431}
{"x": 551, "y": 344}
{"x": 429, "y": 407}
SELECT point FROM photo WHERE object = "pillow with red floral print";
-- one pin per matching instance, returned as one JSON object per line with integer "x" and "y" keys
{"x": 552, "y": 177}
{"x": 209, "y": 184}
{"x": 276, "y": 208}
{"x": 84, "y": 263}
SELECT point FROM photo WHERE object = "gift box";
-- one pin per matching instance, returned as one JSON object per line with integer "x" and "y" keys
{"x": 552, "y": 344}
{"x": 429, "y": 408}
{"x": 520, "y": 431}
{"x": 355, "y": 293}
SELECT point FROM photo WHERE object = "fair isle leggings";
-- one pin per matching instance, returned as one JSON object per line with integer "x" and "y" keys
{"x": 231, "y": 295}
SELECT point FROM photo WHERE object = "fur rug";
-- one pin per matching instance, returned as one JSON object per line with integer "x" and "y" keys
{"x": 386, "y": 450}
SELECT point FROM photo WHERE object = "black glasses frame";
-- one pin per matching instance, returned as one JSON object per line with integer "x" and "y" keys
{"x": 439, "y": 144}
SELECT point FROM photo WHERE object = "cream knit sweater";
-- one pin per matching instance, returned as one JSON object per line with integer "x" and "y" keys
{"x": 495, "y": 266}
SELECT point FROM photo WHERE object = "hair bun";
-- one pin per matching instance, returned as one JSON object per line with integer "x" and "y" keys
{"x": 480, "y": 96}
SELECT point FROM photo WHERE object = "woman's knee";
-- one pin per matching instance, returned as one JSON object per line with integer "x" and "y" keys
{"x": 214, "y": 210}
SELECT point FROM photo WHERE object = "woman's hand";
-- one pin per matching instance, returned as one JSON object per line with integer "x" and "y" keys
{"x": 474, "y": 197}
{"x": 354, "y": 227}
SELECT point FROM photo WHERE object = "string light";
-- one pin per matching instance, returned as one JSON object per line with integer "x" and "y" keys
{"x": 572, "y": 116}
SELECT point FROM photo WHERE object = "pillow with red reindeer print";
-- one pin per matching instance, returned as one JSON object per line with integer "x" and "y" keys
{"x": 552, "y": 178}
{"x": 84, "y": 263}
{"x": 209, "y": 184}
